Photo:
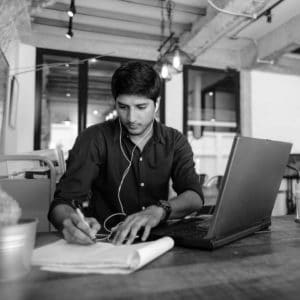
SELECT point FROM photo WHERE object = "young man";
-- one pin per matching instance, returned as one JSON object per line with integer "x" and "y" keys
{"x": 123, "y": 168}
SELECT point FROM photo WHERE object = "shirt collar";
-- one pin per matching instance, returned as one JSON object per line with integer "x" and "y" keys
{"x": 157, "y": 132}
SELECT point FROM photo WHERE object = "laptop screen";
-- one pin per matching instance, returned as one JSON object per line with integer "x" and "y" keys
{"x": 250, "y": 184}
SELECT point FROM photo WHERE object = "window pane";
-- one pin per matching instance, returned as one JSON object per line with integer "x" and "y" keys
{"x": 59, "y": 121}
{"x": 101, "y": 105}
{"x": 212, "y": 119}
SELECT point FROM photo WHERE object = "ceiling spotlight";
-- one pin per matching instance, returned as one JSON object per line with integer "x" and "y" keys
{"x": 93, "y": 60}
{"x": 269, "y": 16}
{"x": 70, "y": 33}
{"x": 72, "y": 10}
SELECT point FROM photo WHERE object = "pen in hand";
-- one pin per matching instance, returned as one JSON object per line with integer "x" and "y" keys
{"x": 81, "y": 216}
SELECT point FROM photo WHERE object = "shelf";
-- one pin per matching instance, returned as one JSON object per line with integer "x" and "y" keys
{"x": 212, "y": 123}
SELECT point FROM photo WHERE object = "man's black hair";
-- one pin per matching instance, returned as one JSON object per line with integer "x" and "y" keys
{"x": 136, "y": 78}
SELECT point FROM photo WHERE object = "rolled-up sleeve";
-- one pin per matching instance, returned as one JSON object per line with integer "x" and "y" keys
{"x": 183, "y": 171}
{"x": 82, "y": 168}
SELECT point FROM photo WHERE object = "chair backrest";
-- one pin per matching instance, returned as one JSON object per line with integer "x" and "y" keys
{"x": 202, "y": 178}
{"x": 31, "y": 180}
{"x": 293, "y": 167}
{"x": 56, "y": 156}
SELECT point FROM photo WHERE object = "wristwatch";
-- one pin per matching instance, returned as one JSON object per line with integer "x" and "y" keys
{"x": 167, "y": 209}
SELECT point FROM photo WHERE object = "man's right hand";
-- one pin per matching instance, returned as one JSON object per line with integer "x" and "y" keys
{"x": 77, "y": 232}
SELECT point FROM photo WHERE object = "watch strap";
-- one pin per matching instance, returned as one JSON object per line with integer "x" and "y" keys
{"x": 166, "y": 207}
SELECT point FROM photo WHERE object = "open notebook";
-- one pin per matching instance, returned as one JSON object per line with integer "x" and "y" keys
{"x": 101, "y": 257}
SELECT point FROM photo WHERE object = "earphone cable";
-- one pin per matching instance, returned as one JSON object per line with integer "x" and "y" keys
{"x": 126, "y": 171}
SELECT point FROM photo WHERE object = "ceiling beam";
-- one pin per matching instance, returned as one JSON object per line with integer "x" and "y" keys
{"x": 282, "y": 40}
{"x": 219, "y": 58}
{"x": 91, "y": 43}
{"x": 179, "y": 7}
{"x": 98, "y": 29}
{"x": 285, "y": 65}
{"x": 273, "y": 45}
{"x": 142, "y": 7}
{"x": 205, "y": 33}
{"x": 14, "y": 18}
{"x": 113, "y": 16}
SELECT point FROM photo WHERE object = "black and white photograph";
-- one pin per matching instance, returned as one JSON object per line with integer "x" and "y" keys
{"x": 149, "y": 149}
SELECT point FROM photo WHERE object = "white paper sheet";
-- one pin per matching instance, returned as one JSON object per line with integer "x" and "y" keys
{"x": 99, "y": 258}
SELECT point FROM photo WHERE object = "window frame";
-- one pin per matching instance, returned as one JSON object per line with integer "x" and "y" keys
{"x": 82, "y": 87}
{"x": 232, "y": 72}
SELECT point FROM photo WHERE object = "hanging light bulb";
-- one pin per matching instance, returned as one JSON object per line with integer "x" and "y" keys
{"x": 177, "y": 57}
{"x": 165, "y": 71}
{"x": 176, "y": 60}
{"x": 171, "y": 57}
{"x": 69, "y": 34}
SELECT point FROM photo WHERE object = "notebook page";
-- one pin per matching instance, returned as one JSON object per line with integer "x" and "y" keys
{"x": 100, "y": 257}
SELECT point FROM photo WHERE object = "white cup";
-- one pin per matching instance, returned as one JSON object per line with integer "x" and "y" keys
{"x": 16, "y": 246}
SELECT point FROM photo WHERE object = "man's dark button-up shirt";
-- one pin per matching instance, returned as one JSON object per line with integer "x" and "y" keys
{"x": 96, "y": 164}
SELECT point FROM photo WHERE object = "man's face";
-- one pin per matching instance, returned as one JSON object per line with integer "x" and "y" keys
{"x": 135, "y": 112}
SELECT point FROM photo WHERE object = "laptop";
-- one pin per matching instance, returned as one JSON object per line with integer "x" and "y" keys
{"x": 246, "y": 197}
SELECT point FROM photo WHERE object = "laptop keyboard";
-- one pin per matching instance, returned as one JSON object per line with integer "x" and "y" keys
{"x": 189, "y": 227}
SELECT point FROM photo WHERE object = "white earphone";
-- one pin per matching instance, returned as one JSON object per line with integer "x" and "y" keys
{"x": 126, "y": 171}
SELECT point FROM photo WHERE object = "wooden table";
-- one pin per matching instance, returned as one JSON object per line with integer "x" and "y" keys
{"x": 263, "y": 266}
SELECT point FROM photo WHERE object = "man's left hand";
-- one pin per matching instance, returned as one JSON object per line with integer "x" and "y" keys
{"x": 147, "y": 219}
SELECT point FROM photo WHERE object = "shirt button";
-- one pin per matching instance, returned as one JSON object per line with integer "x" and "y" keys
{"x": 141, "y": 159}
{"x": 142, "y": 184}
